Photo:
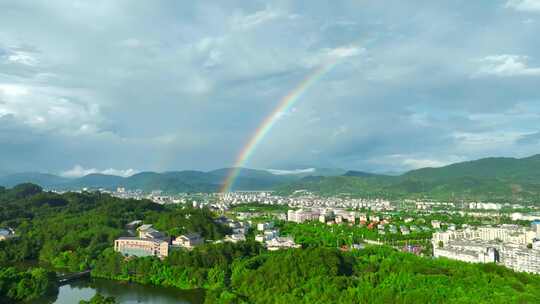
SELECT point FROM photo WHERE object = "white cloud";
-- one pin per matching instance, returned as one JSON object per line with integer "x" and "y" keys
{"x": 422, "y": 163}
{"x": 18, "y": 55}
{"x": 524, "y": 5}
{"x": 49, "y": 108}
{"x": 291, "y": 172}
{"x": 332, "y": 54}
{"x": 507, "y": 66}
{"x": 80, "y": 171}
{"x": 345, "y": 51}
{"x": 411, "y": 162}
{"x": 131, "y": 43}
{"x": 486, "y": 140}
{"x": 244, "y": 22}
{"x": 214, "y": 59}
{"x": 124, "y": 173}
{"x": 21, "y": 57}
{"x": 343, "y": 129}
{"x": 13, "y": 90}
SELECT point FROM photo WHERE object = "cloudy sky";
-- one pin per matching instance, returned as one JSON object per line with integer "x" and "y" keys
{"x": 125, "y": 86}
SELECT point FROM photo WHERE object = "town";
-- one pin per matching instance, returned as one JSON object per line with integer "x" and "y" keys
{"x": 476, "y": 232}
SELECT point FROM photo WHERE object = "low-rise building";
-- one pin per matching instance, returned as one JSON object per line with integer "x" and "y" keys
{"x": 404, "y": 230}
{"x": 188, "y": 241}
{"x": 260, "y": 238}
{"x": 149, "y": 243}
{"x": 148, "y": 232}
{"x": 264, "y": 226}
{"x": 132, "y": 246}
{"x": 235, "y": 238}
{"x": 134, "y": 224}
{"x": 281, "y": 243}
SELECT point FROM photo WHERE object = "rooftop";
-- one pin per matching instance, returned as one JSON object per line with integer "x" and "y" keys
{"x": 145, "y": 227}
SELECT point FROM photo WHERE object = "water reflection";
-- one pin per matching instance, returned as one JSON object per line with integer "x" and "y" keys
{"x": 125, "y": 293}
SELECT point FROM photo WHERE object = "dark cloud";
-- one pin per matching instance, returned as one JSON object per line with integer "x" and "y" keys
{"x": 530, "y": 139}
{"x": 168, "y": 85}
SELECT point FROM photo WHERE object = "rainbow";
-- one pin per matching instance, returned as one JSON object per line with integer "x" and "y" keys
{"x": 264, "y": 128}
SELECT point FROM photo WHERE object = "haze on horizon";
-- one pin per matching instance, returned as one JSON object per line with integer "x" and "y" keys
{"x": 122, "y": 86}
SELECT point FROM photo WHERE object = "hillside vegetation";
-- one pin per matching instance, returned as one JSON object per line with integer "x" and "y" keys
{"x": 490, "y": 178}
{"x": 75, "y": 232}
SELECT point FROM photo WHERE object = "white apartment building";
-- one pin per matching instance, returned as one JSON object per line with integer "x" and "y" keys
{"x": 504, "y": 233}
{"x": 505, "y": 245}
{"x": 300, "y": 216}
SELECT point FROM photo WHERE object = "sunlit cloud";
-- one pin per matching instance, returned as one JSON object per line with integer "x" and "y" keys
{"x": 524, "y": 5}
{"x": 507, "y": 66}
{"x": 80, "y": 171}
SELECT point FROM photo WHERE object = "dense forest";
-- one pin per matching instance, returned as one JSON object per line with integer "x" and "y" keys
{"x": 244, "y": 273}
{"x": 70, "y": 232}
{"x": 373, "y": 275}
{"x": 74, "y": 231}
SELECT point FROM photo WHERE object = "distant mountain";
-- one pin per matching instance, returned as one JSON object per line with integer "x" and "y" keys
{"x": 504, "y": 168}
{"x": 246, "y": 173}
{"x": 361, "y": 174}
{"x": 169, "y": 182}
{"x": 95, "y": 181}
{"x": 42, "y": 179}
{"x": 488, "y": 178}
{"x": 174, "y": 181}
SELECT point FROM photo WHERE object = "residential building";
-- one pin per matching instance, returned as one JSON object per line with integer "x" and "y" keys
{"x": 508, "y": 245}
{"x": 260, "y": 238}
{"x": 300, "y": 216}
{"x": 188, "y": 241}
{"x": 281, "y": 243}
{"x": 235, "y": 238}
{"x": 264, "y": 226}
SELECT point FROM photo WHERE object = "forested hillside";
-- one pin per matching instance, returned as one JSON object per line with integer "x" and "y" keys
{"x": 71, "y": 231}
{"x": 484, "y": 179}
{"x": 74, "y": 232}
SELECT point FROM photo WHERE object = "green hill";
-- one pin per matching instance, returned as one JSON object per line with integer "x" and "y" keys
{"x": 169, "y": 182}
{"x": 489, "y": 178}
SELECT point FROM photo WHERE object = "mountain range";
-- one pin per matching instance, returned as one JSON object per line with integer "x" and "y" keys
{"x": 169, "y": 182}
{"x": 495, "y": 178}
{"x": 488, "y": 178}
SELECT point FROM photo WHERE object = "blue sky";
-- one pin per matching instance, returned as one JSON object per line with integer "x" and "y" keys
{"x": 126, "y": 86}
